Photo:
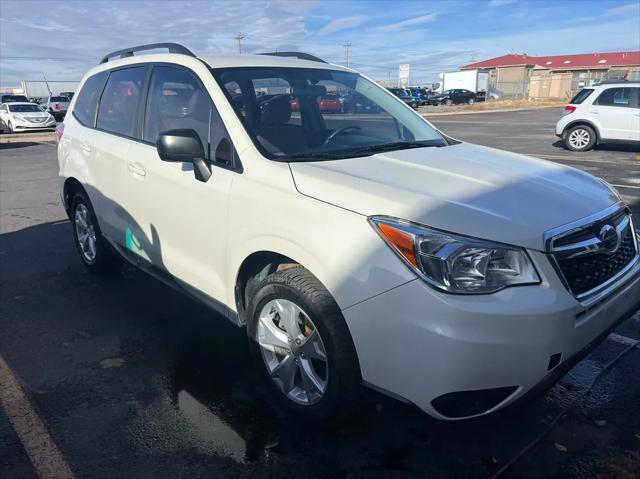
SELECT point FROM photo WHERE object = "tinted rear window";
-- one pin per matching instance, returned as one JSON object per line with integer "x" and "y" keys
{"x": 87, "y": 101}
{"x": 581, "y": 96}
{"x": 119, "y": 103}
{"x": 59, "y": 98}
{"x": 615, "y": 97}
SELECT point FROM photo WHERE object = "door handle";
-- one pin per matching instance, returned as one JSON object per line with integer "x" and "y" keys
{"x": 594, "y": 112}
{"x": 85, "y": 146}
{"x": 137, "y": 169}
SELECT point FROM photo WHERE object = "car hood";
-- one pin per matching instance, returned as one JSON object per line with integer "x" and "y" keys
{"x": 462, "y": 188}
{"x": 31, "y": 114}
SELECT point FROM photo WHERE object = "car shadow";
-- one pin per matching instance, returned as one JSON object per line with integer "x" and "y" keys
{"x": 17, "y": 144}
{"x": 603, "y": 147}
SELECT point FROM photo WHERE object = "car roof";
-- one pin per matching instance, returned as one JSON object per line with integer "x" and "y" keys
{"x": 217, "y": 61}
{"x": 20, "y": 103}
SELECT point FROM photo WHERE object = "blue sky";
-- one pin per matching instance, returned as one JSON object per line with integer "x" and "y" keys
{"x": 62, "y": 39}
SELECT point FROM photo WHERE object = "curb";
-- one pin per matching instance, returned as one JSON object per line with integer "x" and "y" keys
{"x": 501, "y": 110}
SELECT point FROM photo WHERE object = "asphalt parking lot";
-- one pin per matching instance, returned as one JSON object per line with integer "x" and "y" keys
{"x": 131, "y": 379}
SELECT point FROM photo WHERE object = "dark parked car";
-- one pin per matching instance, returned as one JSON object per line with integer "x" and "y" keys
{"x": 449, "y": 97}
{"x": 354, "y": 102}
{"x": 422, "y": 94}
{"x": 406, "y": 96}
{"x": 14, "y": 99}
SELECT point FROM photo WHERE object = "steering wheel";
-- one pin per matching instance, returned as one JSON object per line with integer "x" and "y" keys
{"x": 338, "y": 132}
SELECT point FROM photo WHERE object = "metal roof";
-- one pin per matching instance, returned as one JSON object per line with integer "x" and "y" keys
{"x": 562, "y": 62}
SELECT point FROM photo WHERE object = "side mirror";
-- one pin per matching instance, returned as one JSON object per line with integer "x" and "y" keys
{"x": 179, "y": 146}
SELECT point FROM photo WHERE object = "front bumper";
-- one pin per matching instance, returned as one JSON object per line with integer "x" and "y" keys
{"x": 431, "y": 349}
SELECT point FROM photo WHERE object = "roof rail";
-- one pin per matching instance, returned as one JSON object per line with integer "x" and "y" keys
{"x": 128, "y": 52}
{"x": 300, "y": 55}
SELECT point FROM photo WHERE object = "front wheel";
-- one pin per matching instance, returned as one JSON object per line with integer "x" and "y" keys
{"x": 580, "y": 138}
{"x": 10, "y": 125}
{"x": 448, "y": 102}
{"x": 301, "y": 343}
{"x": 471, "y": 101}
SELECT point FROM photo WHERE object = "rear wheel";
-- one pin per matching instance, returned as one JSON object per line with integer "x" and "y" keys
{"x": 471, "y": 101}
{"x": 88, "y": 237}
{"x": 303, "y": 346}
{"x": 580, "y": 138}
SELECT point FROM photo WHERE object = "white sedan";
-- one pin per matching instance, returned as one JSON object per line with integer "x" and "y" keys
{"x": 25, "y": 117}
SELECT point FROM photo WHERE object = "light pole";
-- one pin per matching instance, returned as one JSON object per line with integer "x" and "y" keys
{"x": 347, "y": 53}
{"x": 239, "y": 37}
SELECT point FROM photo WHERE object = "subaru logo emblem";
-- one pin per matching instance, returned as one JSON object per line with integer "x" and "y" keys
{"x": 609, "y": 239}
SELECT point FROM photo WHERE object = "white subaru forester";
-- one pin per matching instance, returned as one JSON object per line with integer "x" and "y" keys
{"x": 357, "y": 247}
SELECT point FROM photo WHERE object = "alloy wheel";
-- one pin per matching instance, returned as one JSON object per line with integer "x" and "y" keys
{"x": 293, "y": 351}
{"x": 85, "y": 233}
{"x": 579, "y": 138}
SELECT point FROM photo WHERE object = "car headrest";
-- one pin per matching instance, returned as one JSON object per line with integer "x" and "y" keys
{"x": 276, "y": 110}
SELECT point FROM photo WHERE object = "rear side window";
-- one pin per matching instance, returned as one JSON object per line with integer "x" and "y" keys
{"x": 581, "y": 96}
{"x": 87, "y": 101}
{"x": 615, "y": 97}
{"x": 119, "y": 103}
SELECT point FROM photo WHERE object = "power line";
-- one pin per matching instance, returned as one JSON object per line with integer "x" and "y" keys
{"x": 239, "y": 37}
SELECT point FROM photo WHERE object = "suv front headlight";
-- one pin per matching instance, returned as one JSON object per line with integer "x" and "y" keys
{"x": 454, "y": 263}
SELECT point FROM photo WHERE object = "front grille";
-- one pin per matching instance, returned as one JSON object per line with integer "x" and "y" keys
{"x": 586, "y": 272}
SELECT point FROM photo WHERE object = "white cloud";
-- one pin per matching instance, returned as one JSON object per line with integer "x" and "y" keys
{"x": 624, "y": 9}
{"x": 345, "y": 23}
{"x": 431, "y": 17}
{"x": 500, "y": 3}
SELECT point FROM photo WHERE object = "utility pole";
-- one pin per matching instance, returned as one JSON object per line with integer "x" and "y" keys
{"x": 347, "y": 53}
{"x": 239, "y": 37}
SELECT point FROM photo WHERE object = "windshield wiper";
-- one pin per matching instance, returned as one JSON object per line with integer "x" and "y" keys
{"x": 365, "y": 151}
{"x": 399, "y": 145}
{"x": 313, "y": 156}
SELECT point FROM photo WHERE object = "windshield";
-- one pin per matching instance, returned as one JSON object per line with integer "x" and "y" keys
{"x": 25, "y": 108}
{"x": 292, "y": 113}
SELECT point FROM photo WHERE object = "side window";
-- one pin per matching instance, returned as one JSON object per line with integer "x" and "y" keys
{"x": 87, "y": 101}
{"x": 119, "y": 103}
{"x": 176, "y": 100}
{"x": 615, "y": 97}
{"x": 635, "y": 102}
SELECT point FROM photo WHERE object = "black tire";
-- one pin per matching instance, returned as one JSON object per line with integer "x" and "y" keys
{"x": 10, "y": 126}
{"x": 471, "y": 101}
{"x": 580, "y": 138}
{"x": 104, "y": 257}
{"x": 299, "y": 286}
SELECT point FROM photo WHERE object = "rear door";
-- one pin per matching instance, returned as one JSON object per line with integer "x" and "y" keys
{"x": 107, "y": 145}
{"x": 181, "y": 222}
{"x": 615, "y": 113}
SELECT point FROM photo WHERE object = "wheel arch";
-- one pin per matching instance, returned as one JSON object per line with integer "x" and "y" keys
{"x": 583, "y": 123}
{"x": 252, "y": 270}
{"x": 71, "y": 187}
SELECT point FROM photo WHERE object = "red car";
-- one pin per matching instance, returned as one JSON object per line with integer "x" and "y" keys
{"x": 330, "y": 104}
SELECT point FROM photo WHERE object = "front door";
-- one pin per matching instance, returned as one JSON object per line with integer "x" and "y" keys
{"x": 180, "y": 222}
